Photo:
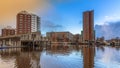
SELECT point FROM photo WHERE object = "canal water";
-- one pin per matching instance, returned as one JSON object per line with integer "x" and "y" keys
{"x": 74, "y": 57}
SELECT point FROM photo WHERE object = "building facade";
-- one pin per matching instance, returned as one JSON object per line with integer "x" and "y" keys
{"x": 101, "y": 39}
{"x": 60, "y": 36}
{"x": 77, "y": 38}
{"x": 8, "y": 31}
{"x": 27, "y": 23}
{"x": 88, "y": 26}
{"x": 35, "y": 23}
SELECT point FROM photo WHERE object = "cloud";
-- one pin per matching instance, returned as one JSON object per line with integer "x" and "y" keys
{"x": 110, "y": 30}
{"x": 48, "y": 26}
{"x": 108, "y": 18}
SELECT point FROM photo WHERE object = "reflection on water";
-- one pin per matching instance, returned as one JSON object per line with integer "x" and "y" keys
{"x": 88, "y": 58}
{"x": 82, "y": 57}
{"x": 21, "y": 58}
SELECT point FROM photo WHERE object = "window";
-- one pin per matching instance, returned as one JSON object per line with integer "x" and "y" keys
{"x": 21, "y": 19}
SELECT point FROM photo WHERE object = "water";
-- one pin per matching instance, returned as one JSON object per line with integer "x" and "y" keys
{"x": 86, "y": 57}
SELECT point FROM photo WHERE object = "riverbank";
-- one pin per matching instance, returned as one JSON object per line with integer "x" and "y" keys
{"x": 5, "y": 47}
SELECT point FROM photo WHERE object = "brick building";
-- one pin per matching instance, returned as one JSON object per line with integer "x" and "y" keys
{"x": 8, "y": 31}
{"x": 88, "y": 26}
{"x": 60, "y": 36}
{"x": 27, "y": 23}
{"x": 77, "y": 38}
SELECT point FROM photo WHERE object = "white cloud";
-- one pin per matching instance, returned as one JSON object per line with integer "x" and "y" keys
{"x": 109, "y": 18}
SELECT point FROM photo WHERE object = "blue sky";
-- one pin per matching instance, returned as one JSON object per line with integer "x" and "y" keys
{"x": 64, "y": 15}
{"x": 68, "y": 13}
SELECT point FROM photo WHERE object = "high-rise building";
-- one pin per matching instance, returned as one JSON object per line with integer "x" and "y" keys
{"x": 8, "y": 31}
{"x": 88, "y": 26}
{"x": 35, "y": 23}
{"x": 27, "y": 23}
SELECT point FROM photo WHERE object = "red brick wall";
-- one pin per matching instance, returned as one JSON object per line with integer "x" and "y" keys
{"x": 23, "y": 23}
{"x": 88, "y": 25}
{"x": 7, "y": 32}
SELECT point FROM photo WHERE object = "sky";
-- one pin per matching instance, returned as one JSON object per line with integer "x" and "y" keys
{"x": 62, "y": 15}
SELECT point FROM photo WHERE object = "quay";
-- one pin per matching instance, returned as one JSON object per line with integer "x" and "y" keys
{"x": 6, "y": 47}
{"x": 31, "y": 39}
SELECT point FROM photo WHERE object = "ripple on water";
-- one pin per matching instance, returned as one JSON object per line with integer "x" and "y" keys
{"x": 58, "y": 61}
